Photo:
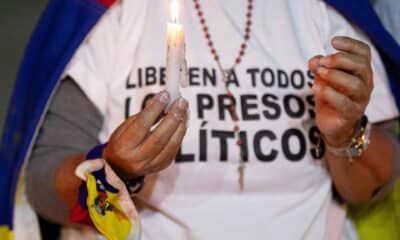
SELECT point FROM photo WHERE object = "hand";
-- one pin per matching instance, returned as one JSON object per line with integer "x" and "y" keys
{"x": 133, "y": 150}
{"x": 342, "y": 88}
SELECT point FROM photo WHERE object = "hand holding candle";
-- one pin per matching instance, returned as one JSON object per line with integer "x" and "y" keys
{"x": 176, "y": 70}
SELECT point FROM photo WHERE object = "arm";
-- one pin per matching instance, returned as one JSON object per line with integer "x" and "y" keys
{"x": 63, "y": 135}
{"x": 132, "y": 151}
{"x": 342, "y": 90}
{"x": 358, "y": 182}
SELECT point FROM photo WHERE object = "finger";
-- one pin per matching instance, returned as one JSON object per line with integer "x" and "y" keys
{"x": 355, "y": 64}
{"x": 161, "y": 135}
{"x": 138, "y": 129}
{"x": 148, "y": 100}
{"x": 345, "y": 83}
{"x": 121, "y": 128}
{"x": 351, "y": 45}
{"x": 167, "y": 155}
{"x": 314, "y": 63}
{"x": 347, "y": 108}
{"x": 148, "y": 103}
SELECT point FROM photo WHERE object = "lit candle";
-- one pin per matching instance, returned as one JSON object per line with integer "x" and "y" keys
{"x": 176, "y": 70}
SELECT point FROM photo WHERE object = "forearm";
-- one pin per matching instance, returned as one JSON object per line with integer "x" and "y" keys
{"x": 66, "y": 183}
{"x": 50, "y": 181}
{"x": 357, "y": 181}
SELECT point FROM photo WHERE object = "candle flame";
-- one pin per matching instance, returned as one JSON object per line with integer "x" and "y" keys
{"x": 175, "y": 11}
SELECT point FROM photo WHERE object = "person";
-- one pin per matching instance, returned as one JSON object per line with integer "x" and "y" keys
{"x": 285, "y": 189}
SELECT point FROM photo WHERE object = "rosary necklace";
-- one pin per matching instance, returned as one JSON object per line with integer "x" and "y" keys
{"x": 226, "y": 75}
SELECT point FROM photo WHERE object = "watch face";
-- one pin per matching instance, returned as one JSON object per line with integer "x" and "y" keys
{"x": 361, "y": 141}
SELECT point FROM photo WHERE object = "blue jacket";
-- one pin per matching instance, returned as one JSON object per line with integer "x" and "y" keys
{"x": 63, "y": 26}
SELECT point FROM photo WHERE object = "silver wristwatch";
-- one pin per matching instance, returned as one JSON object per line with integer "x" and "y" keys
{"x": 357, "y": 144}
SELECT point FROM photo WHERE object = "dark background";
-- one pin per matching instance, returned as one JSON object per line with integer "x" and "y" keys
{"x": 17, "y": 20}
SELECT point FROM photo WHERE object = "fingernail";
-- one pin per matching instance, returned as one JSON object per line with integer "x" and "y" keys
{"x": 163, "y": 97}
{"x": 181, "y": 109}
{"x": 339, "y": 42}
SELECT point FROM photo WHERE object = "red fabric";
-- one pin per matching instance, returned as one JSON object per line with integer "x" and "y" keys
{"x": 80, "y": 215}
{"x": 107, "y": 3}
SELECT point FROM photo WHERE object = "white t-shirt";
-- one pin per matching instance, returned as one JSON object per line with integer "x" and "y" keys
{"x": 287, "y": 192}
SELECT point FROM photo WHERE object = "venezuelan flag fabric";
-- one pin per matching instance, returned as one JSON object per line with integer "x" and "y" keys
{"x": 63, "y": 26}
{"x": 104, "y": 202}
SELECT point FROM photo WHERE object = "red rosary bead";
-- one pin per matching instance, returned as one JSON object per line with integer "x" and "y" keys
{"x": 225, "y": 72}
{"x": 246, "y": 37}
{"x": 238, "y": 59}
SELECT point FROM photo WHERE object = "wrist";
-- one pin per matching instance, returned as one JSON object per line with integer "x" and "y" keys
{"x": 356, "y": 144}
{"x": 341, "y": 139}
{"x": 103, "y": 200}
{"x": 134, "y": 183}
{"x": 112, "y": 161}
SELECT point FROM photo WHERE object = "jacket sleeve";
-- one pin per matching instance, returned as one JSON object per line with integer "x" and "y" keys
{"x": 70, "y": 126}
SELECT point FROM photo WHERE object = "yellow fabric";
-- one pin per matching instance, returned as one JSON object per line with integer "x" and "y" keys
{"x": 113, "y": 223}
{"x": 381, "y": 220}
{"x": 5, "y": 233}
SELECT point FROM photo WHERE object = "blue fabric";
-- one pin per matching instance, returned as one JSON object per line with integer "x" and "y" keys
{"x": 82, "y": 197}
{"x": 63, "y": 26}
{"x": 361, "y": 14}
{"x": 96, "y": 152}
{"x": 100, "y": 175}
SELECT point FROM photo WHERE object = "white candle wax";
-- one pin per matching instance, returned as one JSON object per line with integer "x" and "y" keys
{"x": 176, "y": 69}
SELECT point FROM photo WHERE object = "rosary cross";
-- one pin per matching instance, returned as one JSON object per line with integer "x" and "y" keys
{"x": 226, "y": 74}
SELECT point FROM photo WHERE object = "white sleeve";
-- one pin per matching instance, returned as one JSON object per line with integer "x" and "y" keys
{"x": 91, "y": 65}
{"x": 382, "y": 104}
